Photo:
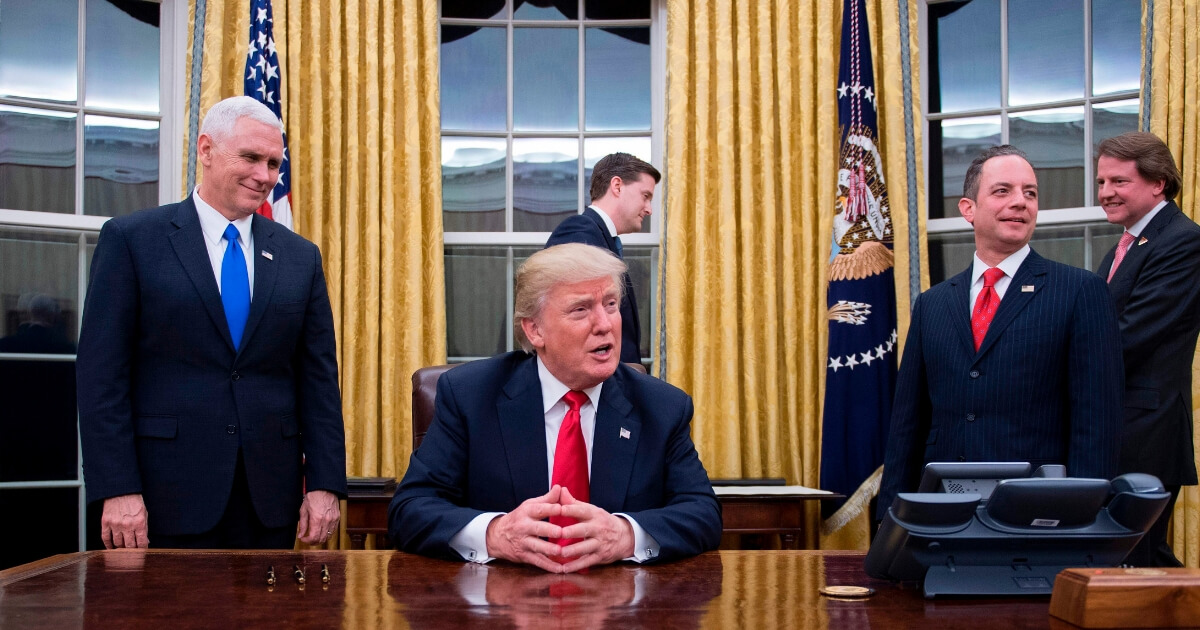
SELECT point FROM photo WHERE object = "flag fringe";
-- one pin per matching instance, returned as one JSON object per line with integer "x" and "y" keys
{"x": 854, "y": 505}
{"x": 869, "y": 259}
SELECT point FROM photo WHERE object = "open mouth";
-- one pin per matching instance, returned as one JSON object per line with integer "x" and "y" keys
{"x": 601, "y": 351}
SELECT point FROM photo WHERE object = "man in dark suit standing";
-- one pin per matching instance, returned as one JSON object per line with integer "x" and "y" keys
{"x": 1153, "y": 275}
{"x": 622, "y": 191}
{"x": 1017, "y": 358}
{"x": 209, "y": 408}
{"x": 561, "y": 431}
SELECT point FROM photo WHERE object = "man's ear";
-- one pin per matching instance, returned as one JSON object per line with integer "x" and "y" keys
{"x": 533, "y": 333}
{"x": 966, "y": 207}
{"x": 204, "y": 147}
{"x": 614, "y": 185}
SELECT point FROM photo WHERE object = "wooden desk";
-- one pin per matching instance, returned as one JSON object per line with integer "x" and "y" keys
{"x": 388, "y": 589}
{"x": 366, "y": 513}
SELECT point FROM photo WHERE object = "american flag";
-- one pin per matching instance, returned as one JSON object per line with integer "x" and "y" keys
{"x": 262, "y": 83}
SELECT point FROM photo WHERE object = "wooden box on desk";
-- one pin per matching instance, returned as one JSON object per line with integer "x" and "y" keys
{"x": 1127, "y": 598}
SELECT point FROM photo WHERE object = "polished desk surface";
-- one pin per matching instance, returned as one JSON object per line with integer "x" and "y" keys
{"x": 388, "y": 589}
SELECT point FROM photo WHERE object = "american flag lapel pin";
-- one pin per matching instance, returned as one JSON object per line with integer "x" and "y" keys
{"x": 624, "y": 433}
{"x": 266, "y": 254}
{"x": 1142, "y": 241}
{"x": 1026, "y": 288}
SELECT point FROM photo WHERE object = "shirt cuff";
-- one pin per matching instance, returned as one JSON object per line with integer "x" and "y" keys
{"x": 644, "y": 546}
{"x": 471, "y": 541}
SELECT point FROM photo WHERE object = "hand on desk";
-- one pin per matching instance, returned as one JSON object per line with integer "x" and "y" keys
{"x": 520, "y": 535}
{"x": 123, "y": 522}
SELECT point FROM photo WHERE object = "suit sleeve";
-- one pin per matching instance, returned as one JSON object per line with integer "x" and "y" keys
{"x": 319, "y": 401}
{"x": 911, "y": 420}
{"x": 577, "y": 229}
{"x": 426, "y": 511}
{"x": 1165, "y": 301}
{"x": 689, "y": 522}
{"x": 107, "y": 345}
{"x": 1097, "y": 383}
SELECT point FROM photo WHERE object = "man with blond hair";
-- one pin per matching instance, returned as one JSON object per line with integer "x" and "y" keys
{"x": 558, "y": 455}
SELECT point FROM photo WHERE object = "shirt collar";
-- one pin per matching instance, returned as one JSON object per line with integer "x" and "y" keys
{"x": 212, "y": 223}
{"x": 1009, "y": 265}
{"x": 1137, "y": 228}
{"x": 608, "y": 222}
{"x": 553, "y": 389}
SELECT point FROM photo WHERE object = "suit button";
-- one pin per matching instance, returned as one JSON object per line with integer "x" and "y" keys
{"x": 230, "y": 429}
{"x": 970, "y": 417}
{"x": 962, "y": 458}
{"x": 235, "y": 376}
{"x": 974, "y": 373}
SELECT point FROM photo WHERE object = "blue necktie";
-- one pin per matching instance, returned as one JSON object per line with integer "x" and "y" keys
{"x": 620, "y": 250}
{"x": 235, "y": 286}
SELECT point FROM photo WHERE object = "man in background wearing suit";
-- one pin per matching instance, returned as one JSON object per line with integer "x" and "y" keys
{"x": 1017, "y": 358}
{"x": 1153, "y": 275}
{"x": 622, "y": 190}
{"x": 209, "y": 409}
{"x": 561, "y": 431}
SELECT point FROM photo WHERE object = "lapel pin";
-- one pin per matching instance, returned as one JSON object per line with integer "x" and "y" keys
{"x": 1142, "y": 241}
{"x": 266, "y": 254}
{"x": 1026, "y": 288}
{"x": 624, "y": 433}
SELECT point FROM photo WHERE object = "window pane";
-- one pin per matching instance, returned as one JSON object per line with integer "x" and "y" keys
{"x": 1113, "y": 119}
{"x": 37, "y": 436}
{"x": 37, "y": 160}
{"x": 473, "y": 78}
{"x": 1080, "y": 246}
{"x": 617, "y": 78}
{"x": 546, "y": 79}
{"x": 38, "y": 291}
{"x": 616, "y": 9}
{"x": 1116, "y": 46}
{"x": 473, "y": 184}
{"x": 545, "y": 182}
{"x": 121, "y": 64}
{"x": 120, "y": 165}
{"x": 949, "y": 254}
{"x": 961, "y": 140}
{"x": 57, "y": 526}
{"x": 475, "y": 9}
{"x": 643, "y": 263}
{"x": 1053, "y": 140}
{"x": 38, "y": 49}
{"x": 966, "y": 62}
{"x": 1045, "y": 51}
{"x": 476, "y": 300}
{"x": 557, "y": 10}
{"x": 1102, "y": 237}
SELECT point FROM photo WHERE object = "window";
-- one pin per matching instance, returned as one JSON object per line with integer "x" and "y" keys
{"x": 1054, "y": 78}
{"x": 88, "y": 131}
{"x": 533, "y": 94}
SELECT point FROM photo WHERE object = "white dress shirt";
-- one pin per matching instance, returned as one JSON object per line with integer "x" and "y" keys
{"x": 212, "y": 224}
{"x": 1137, "y": 228}
{"x": 471, "y": 541}
{"x": 1009, "y": 266}
{"x": 608, "y": 222}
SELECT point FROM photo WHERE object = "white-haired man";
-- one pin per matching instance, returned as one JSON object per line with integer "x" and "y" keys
{"x": 209, "y": 408}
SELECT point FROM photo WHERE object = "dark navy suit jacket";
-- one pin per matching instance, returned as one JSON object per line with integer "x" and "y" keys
{"x": 1044, "y": 387}
{"x": 1156, "y": 291}
{"x": 165, "y": 401}
{"x": 589, "y": 228}
{"x": 486, "y": 452}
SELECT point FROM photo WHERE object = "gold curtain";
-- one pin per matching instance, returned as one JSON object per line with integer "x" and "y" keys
{"x": 1175, "y": 117}
{"x": 361, "y": 110}
{"x": 751, "y": 180}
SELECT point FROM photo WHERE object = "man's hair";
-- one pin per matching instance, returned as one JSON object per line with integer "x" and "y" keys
{"x": 219, "y": 121}
{"x": 971, "y": 182}
{"x": 1151, "y": 156}
{"x": 623, "y": 165}
{"x": 562, "y": 264}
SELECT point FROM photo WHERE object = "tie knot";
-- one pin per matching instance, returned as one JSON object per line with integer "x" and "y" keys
{"x": 575, "y": 399}
{"x": 231, "y": 233}
{"x": 991, "y": 276}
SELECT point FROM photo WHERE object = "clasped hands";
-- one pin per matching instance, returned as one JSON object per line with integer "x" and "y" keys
{"x": 524, "y": 535}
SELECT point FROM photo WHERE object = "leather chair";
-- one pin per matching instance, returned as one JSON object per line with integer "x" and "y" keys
{"x": 424, "y": 391}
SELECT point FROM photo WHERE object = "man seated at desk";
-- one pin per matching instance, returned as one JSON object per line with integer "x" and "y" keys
{"x": 558, "y": 456}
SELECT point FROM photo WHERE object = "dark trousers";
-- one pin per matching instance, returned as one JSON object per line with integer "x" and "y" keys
{"x": 239, "y": 527}
{"x": 1152, "y": 550}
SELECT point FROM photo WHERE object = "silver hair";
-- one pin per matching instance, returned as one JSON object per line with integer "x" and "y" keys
{"x": 219, "y": 121}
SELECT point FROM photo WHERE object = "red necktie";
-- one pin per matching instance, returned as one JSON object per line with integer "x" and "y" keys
{"x": 1122, "y": 248}
{"x": 570, "y": 460}
{"x": 985, "y": 305}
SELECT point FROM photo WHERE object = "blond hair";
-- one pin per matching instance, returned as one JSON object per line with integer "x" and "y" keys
{"x": 568, "y": 263}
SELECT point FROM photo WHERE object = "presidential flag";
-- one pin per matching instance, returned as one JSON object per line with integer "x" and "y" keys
{"x": 860, "y": 376}
{"x": 262, "y": 83}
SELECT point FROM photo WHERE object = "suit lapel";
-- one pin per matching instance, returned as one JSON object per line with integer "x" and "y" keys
{"x": 188, "y": 243}
{"x": 614, "y": 445}
{"x": 961, "y": 307}
{"x": 523, "y": 430}
{"x": 266, "y": 270}
{"x": 609, "y": 241}
{"x": 1032, "y": 273}
{"x": 1126, "y": 275}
